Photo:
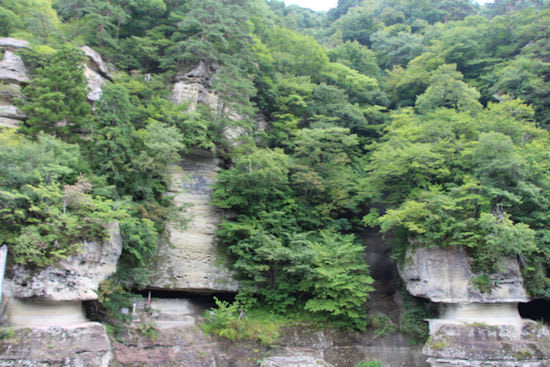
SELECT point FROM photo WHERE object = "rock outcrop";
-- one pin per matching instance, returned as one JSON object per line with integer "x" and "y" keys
{"x": 178, "y": 341}
{"x": 294, "y": 361}
{"x": 190, "y": 259}
{"x": 97, "y": 72}
{"x": 445, "y": 276}
{"x": 76, "y": 278}
{"x": 474, "y": 328}
{"x": 44, "y": 308}
{"x": 13, "y": 73}
{"x": 83, "y": 344}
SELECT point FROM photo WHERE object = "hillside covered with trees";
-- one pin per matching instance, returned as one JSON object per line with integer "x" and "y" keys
{"x": 426, "y": 120}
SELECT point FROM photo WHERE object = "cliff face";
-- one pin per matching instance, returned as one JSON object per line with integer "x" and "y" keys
{"x": 50, "y": 328}
{"x": 474, "y": 328}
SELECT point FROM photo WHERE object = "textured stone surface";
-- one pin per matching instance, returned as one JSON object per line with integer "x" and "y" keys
{"x": 444, "y": 275}
{"x": 9, "y": 123}
{"x": 12, "y": 69}
{"x": 472, "y": 345}
{"x": 8, "y": 92}
{"x": 76, "y": 278}
{"x": 192, "y": 93}
{"x": 82, "y": 344}
{"x": 96, "y": 83}
{"x": 294, "y": 361}
{"x": 96, "y": 63}
{"x": 14, "y": 43}
{"x": 184, "y": 344}
{"x": 190, "y": 260}
{"x": 42, "y": 313}
{"x": 11, "y": 112}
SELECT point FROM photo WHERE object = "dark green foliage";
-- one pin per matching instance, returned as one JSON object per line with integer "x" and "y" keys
{"x": 46, "y": 211}
{"x": 56, "y": 98}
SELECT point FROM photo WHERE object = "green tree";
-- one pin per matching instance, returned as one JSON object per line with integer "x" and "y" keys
{"x": 56, "y": 97}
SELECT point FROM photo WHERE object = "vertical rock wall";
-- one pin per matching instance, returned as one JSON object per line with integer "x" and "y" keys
{"x": 189, "y": 259}
{"x": 13, "y": 75}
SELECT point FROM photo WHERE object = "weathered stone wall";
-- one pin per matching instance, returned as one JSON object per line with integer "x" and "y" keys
{"x": 13, "y": 74}
{"x": 474, "y": 328}
{"x": 190, "y": 260}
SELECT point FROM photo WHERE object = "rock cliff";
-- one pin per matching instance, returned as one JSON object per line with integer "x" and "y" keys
{"x": 13, "y": 74}
{"x": 189, "y": 260}
{"x": 475, "y": 328}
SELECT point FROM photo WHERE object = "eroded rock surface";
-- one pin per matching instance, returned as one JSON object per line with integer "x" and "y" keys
{"x": 12, "y": 73}
{"x": 12, "y": 69}
{"x": 478, "y": 344}
{"x": 82, "y": 344}
{"x": 445, "y": 275}
{"x": 294, "y": 361}
{"x": 96, "y": 72}
{"x": 14, "y": 43}
{"x": 76, "y": 278}
{"x": 190, "y": 259}
{"x": 180, "y": 342}
{"x": 474, "y": 328}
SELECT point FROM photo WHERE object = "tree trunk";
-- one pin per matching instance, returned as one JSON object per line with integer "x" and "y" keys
{"x": 100, "y": 33}
{"x": 117, "y": 28}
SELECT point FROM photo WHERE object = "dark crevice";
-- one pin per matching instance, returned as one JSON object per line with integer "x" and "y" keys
{"x": 538, "y": 310}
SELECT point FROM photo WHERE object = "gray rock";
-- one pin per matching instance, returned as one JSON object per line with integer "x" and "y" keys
{"x": 294, "y": 361}
{"x": 11, "y": 112}
{"x": 82, "y": 344}
{"x": 192, "y": 94}
{"x": 190, "y": 260}
{"x": 444, "y": 275}
{"x": 8, "y": 92}
{"x": 12, "y": 69}
{"x": 14, "y": 43}
{"x": 76, "y": 278}
{"x": 96, "y": 63}
{"x": 9, "y": 123}
{"x": 96, "y": 83}
{"x": 477, "y": 345}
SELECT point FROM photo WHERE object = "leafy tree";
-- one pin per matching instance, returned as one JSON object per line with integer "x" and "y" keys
{"x": 57, "y": 101}
{"x": 447, "y": 90}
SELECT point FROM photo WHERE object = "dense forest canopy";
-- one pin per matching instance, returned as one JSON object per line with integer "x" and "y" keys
{"x": 424, "y": 119}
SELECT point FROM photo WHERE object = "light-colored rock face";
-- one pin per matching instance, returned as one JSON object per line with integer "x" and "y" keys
{"x": 79, "y": 345}
{"x": 96, "y": 63}
{"x": 14, "y": 43}
{"x": 96, "y": 83}
{"x": 482, "y": 345}
{"x": 39, "y": 313}
{"x": 11, "y": 112}
{"x": 190, "y": 260}
{"x": 294, "y": 361}
{"x": 192, "y": 94}
{"x": 76, "y": 278}
{"x": 12, "y": 69}
{"x": 444, "y": 275}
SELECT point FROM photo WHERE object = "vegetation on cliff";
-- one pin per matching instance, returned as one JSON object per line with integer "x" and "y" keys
{"x": 426, "y": 119}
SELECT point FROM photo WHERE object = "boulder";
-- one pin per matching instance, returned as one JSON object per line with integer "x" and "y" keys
{"x": 96, "y": 63}
{"x": 81, "y": 344}
{"x": 76, "y": 278}
{"x": 14, "y": 43}
{"x": 190, "y": 259}
{"x": 294, "y": 361}
{"x": 12, "y": 69}
{"x": 445, "y": 275}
